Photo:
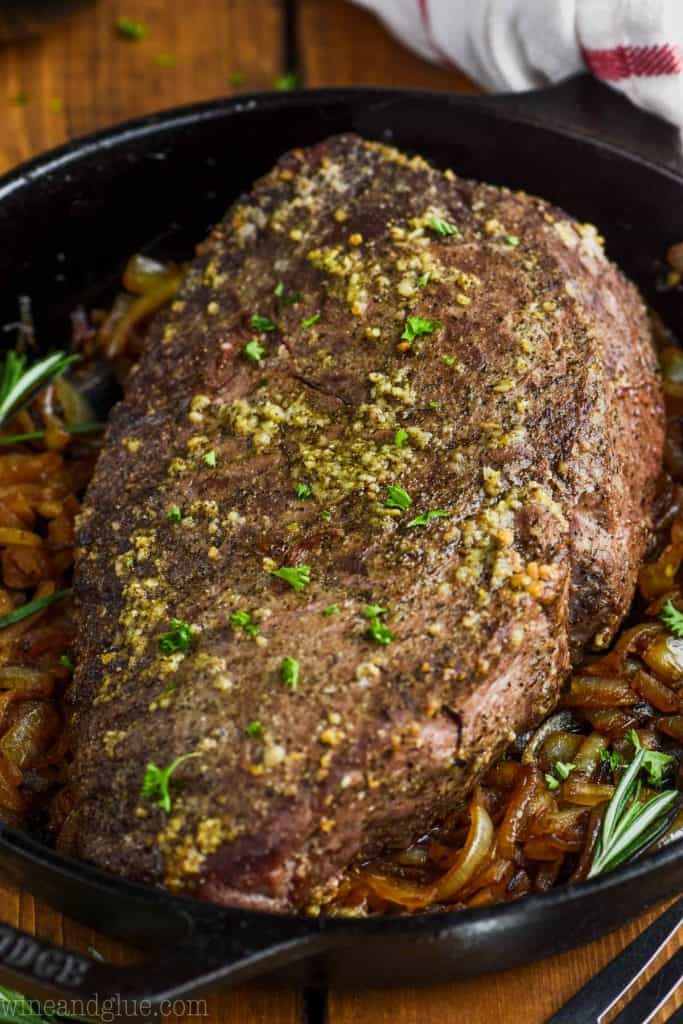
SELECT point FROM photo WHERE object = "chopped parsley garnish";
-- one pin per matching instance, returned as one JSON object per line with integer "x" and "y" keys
{"x": 243, "y": 621}
{"x": 262, "y": 323}
{"x": 373, "y": 611}
{"x": 442, "y": 227}
{"x": 31, "y": 607}
{"x": 254, "y": 350}
{"x": 401, "y": 438}
{"x": 21, "y": 99}
{"x": 397, "y": 497}
{"x": 66, "y": 662}
{"x": 654, "y": 762}
{"x": 426, "y": 517}
{"x": 130, "y": 28}
{"x": 613, "y": 758}
{"x": 511, "y": 240}
{"x": 286, "y": 82}
{"x": 178, "y": 638}
{"x": 332, "y": 609}
{"x": 449, "y": 360}
{"x": 561, "y": 768}
{"x": 298, "y": 578}
{"x": 210, "y": 459}
{"x": 55, "y": 105}
{"x": 423, "y": 280}
{"x": 378, "y": 632}
{"x": 18, "y": 383}
{"x": 236, "y": 79}
{"x": 289, "y": 670}
{"x": 310, "y": 320}
{"x": 254, "y": 729}
{"x": 288, "y": 298}
{"x": 156, "y": 782}
{"x": 165, "y": 60}
{"x": 174, "y": 514}
{"x": 326, "y": 515}
{"x": 435, "y": 405}
{"x": 672, "y": 619}
{"x": 302, "y": 490}
{"x": 417, "y": 325}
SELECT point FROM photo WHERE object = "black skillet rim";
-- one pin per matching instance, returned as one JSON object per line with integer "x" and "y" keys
{"x": 59, "y": 160}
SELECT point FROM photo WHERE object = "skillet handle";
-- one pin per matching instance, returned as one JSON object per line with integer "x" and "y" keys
{"x": 594, "y": 110}
{"x": 237, "y": 950}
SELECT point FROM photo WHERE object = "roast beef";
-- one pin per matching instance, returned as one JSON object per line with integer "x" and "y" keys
{"x": 435, "y": 405}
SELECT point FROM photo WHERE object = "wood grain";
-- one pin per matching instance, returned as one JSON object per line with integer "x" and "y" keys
{"x": 345, "y": 45}
{"x": 527, "y": 995}
{"x": 81, "y": 76}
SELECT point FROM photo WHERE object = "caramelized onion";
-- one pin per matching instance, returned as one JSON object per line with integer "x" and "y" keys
{"x": 473, "y": 854}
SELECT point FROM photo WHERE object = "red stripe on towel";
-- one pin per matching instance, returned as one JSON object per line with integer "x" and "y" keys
{"x": 633, "y": 61}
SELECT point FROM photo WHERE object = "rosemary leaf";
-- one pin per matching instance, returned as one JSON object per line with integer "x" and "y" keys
{"x": 24, "y": 610}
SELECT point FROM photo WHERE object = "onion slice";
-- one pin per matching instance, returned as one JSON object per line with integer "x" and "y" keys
{"x": 472, "y": 856}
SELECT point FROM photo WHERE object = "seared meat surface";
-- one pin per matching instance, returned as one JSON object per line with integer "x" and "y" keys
{"x": 418, "y": 392}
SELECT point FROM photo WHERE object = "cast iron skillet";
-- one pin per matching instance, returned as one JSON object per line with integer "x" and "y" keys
{"x": 68, "y": 221}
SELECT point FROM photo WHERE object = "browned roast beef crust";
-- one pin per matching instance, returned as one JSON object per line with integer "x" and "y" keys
{"x": 532, "y": 415}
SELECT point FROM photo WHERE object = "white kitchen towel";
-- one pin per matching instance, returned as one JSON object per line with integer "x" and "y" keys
{"x": 634, "y": 45}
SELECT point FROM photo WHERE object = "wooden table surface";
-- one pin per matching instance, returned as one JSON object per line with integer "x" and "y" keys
{"x": 81, "y": 76}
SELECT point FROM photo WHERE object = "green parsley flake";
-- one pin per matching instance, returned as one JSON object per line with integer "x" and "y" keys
{"x": 66, "y": 662}
{"x": 653, "y": 761}
{"x": 563, "y": 768}
{"x": 435, "y": 405}
{"x": 332, "y": 609}
{"x": 310, "y": 320}
{"x": 156, "y": 782}
{"x": 243, "y": 621}
{"x": 401, "y": 438}
{"x": 254, "y": 350}
{"x": 424, "y": 279}
{"x": 288, "y": 298}
{"x": 21, "y": 99}
{"x": 286, "y": 82}
{"x": 326, "y": 515}
{"x": 449, "y": 360}
{"x": 55, "y": 105}
{"x": 378, "y": 632}
{"x": 672, "y": 619}
{"x": 426, "y": 517}
{"x": 551, "y": 781}
{"x": 373, "y": 611}
{"x": 289, "y": 669}
{"x": 130, "y": 29}
{"x": 613, "y": 758}
{"x": 511, "y": 240}
{"x": 397, "y": 497}
{"x": 165, "y": 60}
{"x": 210, "y": 459}
{"x": 254, "y": 729}
{"x": 302, "y": 490}
{"x": 298, "y": 578}
{"x": 178, "y": 638}
{"x": 174, "y": 514}
{"x": 442, "y": 227}
{"x": 417, "y": 325}
{"x": 262, "y": 323}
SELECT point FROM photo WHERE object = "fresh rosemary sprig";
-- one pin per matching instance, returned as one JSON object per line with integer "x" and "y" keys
{"x": 36, "y": 435}
{"x": 629, "y": 825}
{"x": 24, "y": 610}
{"x": 18, "y": 382}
